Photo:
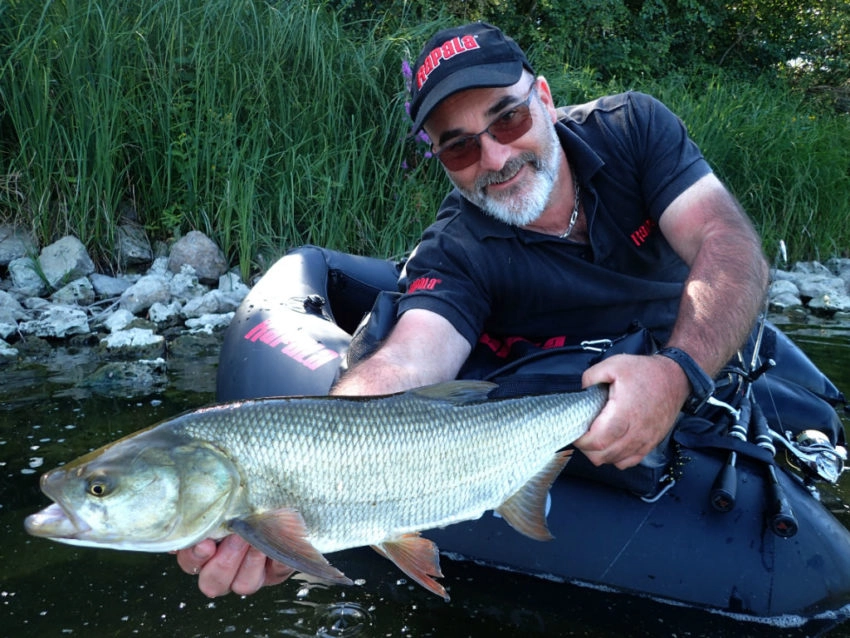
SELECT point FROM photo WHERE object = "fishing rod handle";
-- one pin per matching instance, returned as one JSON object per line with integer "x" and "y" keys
{"x": 780, "y": 517}
{"x": 725, "y": 488}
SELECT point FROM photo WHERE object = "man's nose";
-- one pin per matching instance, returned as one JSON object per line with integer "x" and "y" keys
{"x": 493, "y": 154}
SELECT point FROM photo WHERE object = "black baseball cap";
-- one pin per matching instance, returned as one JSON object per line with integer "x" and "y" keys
{"x": 471, "y": 56}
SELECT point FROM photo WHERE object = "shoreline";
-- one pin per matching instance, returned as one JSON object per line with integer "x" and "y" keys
{"x": 180, "y": 305}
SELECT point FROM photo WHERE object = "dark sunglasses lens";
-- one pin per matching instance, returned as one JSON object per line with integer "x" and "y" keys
{"x": 467, "y": 151}
{"x": 507, "y": 130}
{"x": 461, "y": 154}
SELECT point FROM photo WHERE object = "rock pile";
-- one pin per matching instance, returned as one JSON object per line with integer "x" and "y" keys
{"x": 55, "y": 294}
{"x": 812, "y": 289}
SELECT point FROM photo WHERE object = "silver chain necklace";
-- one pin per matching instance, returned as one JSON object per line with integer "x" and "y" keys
{"x": 574, "y": 215}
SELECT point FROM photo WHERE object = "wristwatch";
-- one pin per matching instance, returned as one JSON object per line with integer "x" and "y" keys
{"x": 702, "y": 385}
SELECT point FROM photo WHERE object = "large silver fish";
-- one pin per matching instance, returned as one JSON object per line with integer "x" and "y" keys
{"x": 301, "y": 477}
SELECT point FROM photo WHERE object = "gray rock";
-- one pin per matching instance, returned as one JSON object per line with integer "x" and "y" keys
{"x": 230, "y": 282}
{"x": 229, "y": 301}
{"x": 35, "y": 303}
{"x": 209, "y": 304}
{"x": 107, "y": 287}
{"x": 199, "y": 251}
{"x": 827, "y": 305}
{"x": 209, "y": 323}
{"x": 165, "y": 314}
{"x": 57, "y": 321}
{"x": 14, "y": 244}
{"x": 118, "y": 320}
{"x": 840, "y": 267}
{"x": 185, "y": 285}
{"x": 149, "y": 290}
{"x": 7, "y": 328}
{"x": 137, "y": 343}
{"x": 10, "y": 308}
{"x": 65, "y": 260}
{"x": 128, "y": 378}
{"x": 80, "y": 292}
{"x": 816, "y": 286}
{"x": 7, "y": 351}
{"x": 811, "y": 268}
{"x": 26, "y": 278}
{"x": 160, "y": 267}
{"x": 784, "y": 295}
{"x": 194, "y": 346}
{"x": 133, "y": 248}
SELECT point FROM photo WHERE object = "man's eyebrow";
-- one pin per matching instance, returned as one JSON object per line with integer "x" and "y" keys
{"x": 496, "y": 109}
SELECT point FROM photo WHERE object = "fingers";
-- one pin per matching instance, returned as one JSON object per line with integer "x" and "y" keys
{"x": 641, "y": 410}
{"x": 250, "y": 573}
{"x": 191, "y": 560}
{"x": 220, "y": 571}
{"x": 612, "y": 440}
{"x": 277, "y": 572}
{"x": 231, "y": 566}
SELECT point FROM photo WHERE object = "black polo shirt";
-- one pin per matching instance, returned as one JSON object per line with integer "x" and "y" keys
{"x": 501, "y": 285}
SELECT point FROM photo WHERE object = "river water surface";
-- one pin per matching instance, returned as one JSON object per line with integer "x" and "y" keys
{"x": 48, "y": 589}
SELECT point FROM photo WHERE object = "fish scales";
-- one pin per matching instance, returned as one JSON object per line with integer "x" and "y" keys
{"x": 361, "y": 471}
{"x": 301, "y": 477}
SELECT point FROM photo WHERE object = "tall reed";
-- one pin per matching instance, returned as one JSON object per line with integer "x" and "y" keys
{"x": 271, "y": 124}
{"x": 785, "y": 157}
{"x": 261, "y": 124}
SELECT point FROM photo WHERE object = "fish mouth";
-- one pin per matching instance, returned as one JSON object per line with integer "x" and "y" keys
{"x": 56, "y": 523}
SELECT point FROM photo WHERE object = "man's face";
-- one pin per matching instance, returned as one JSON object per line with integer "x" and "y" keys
{"x": 512, "y": 182}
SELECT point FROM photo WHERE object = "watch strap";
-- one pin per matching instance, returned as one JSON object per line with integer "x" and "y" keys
{"x": 702, "y": 385}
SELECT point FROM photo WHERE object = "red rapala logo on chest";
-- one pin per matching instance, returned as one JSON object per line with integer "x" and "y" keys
{"x": 502, "y": 346}
{"x": 643, "y": 232}
{"x": 424, "y": 283}
{"x": 445, "y": 51}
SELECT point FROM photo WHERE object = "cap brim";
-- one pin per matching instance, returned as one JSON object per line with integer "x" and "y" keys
{"x": 482, "y": 76}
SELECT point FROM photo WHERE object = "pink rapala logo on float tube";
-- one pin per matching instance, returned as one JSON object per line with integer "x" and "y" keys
{"x": 297, "y": 346}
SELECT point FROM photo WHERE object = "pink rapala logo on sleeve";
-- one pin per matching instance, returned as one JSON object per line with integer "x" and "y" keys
{"x": 445, "y": 51}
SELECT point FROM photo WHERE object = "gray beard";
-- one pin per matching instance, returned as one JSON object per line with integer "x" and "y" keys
{"x": 520, "y": 209}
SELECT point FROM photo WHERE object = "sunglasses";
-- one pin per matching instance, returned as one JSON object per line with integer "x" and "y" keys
{"x": 509, "y": 126}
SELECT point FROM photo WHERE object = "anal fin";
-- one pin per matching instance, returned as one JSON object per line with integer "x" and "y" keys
{"x": 282, "y": 535}
{"x": 417, "y": 557}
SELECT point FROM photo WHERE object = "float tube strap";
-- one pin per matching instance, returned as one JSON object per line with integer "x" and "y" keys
{"x": 698, "y": 441}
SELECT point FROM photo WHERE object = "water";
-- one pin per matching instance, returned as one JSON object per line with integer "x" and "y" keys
{"x": 48, "y": 589}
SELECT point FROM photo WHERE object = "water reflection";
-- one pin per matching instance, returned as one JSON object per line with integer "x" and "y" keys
{"x": 47, "y": 589}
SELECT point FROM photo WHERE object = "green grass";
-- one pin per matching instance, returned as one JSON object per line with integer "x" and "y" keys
{"x": 268, "y": 125}
{"x": 784, "y": 156}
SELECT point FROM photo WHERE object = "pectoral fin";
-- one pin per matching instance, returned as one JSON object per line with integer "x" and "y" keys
{"x": 417, "y": 557}
{"x": 282, "y": 535}
{"x": 526, "y": 509}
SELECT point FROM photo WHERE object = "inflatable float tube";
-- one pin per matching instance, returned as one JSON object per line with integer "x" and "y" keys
{"x": 291, "y": 335}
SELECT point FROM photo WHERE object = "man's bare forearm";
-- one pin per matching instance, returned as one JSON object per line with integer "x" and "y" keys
{"x": 723, "y": 294}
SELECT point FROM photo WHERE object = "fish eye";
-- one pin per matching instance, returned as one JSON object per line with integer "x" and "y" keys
{"x": 99, "y": 486}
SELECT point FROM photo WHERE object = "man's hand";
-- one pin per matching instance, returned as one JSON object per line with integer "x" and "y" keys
{"x": 231, "y": 566}
{"x": 645, "y": 395}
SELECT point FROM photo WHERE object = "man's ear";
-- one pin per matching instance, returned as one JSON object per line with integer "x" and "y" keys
{"x": 545, "y": 95}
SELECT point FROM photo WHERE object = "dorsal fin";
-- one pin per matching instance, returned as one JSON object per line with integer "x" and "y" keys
{"x": 456, "y": 392}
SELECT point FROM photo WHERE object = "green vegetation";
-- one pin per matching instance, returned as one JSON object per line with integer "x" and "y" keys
{"x": 272, "y": 124}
